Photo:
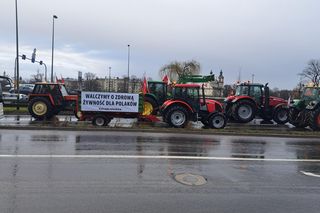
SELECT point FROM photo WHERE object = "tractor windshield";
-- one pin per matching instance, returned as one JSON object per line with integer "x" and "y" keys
{"x": 63, "y": 90}
{"x": 242, "y": 90}
{"x": 311, "y": 93}
{"x": 186, "y": 93}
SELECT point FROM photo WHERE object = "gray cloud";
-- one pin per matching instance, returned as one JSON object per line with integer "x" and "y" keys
{"x": 271, "y": 39}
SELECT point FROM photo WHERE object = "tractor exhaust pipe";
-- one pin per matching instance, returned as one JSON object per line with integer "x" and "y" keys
{"x": 266, "y": 97}
{"x": 203, "y": 96}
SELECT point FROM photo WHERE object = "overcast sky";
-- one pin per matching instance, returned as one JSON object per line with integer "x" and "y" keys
{"x": 272, "y": 39}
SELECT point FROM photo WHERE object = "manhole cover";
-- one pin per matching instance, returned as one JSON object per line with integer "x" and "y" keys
{"x": 190, "y": 179}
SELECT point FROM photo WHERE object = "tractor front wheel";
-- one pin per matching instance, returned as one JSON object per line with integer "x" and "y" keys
{"x": 280, "y": 115}
{"x": 244, "y": 111}
{"x": 40, "y": 108}
{"x": 217, "y": 121}
{"x": 314, "y": 121}
{"x": 177, "y": 117}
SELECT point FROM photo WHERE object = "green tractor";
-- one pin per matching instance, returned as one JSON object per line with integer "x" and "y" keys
{"x": 156, "y": 96}
{"x": 302, "y": 112}
{"x": 160, "y": 91}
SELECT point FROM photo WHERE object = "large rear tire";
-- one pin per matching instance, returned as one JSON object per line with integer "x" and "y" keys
{"x": 244, "y": 111}
{"x": 177, "y": 117}
{"x": 295, "y": 119}
{"x": 314, "y": 120}
{"x": 150, "y": 107}
{"x": 40, "y": 108}
{"x": 281, "y": 115}
{"x": 217, "y": 121}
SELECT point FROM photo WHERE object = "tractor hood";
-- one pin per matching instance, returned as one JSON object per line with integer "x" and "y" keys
{"x": 71, "y": 97}
{"x": 275, "y": 101}
{"x": 235, "y": 98}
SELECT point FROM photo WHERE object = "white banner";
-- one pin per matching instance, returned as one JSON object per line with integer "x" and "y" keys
{"x": 109, "y": 102}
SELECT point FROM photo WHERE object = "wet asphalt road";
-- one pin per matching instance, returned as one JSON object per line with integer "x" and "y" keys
{"x": 65, "y": 171}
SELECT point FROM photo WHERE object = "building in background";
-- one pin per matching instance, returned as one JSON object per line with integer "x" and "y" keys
{"x": 212, "y": 88}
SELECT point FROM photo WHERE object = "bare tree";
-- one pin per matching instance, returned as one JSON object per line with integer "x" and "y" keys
{"x": 312, "y": 72}
{"x": 90, "y": 82}
{"x": 175, "y": 70}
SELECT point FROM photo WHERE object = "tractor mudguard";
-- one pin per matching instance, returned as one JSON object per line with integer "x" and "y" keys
{"x": 153, "y": 96}
{"x": 49, "y": 97}
{"x": 281, "y": 105}
{"x": 168, "y": 103}
{"x": 242, "y": 97}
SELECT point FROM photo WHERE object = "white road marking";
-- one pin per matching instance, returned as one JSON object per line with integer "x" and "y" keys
{"x": 161, "y": 157}
{"x": 309, "y": 174}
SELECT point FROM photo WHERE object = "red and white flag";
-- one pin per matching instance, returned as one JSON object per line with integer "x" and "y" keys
{"x": 144, "y": 87}
{"x": 165, "y": 79}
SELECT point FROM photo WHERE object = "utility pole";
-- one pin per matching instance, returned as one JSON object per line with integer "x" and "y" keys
{"x": 17, "y": 56}
{"x": 109, "y": 79}
{"x": 128, "y": 66}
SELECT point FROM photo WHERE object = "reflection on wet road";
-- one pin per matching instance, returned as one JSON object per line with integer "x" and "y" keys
{"x": 163, "y": 144}
{"x": 62, "y": 171}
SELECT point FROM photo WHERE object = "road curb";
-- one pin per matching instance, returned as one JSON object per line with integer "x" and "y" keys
{"x": 224, "y": 132}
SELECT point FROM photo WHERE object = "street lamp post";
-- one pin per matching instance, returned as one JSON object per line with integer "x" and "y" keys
{"x": 109, "y": 79}
{"x": 128, "y": 65}
{"x": 53, "y": 18}
{"x": 17, "y": 55}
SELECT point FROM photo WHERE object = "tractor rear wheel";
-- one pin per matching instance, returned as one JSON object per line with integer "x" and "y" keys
{"x": 177, "y": 117}
{"x": 100, "y": 120}
{"x": 295, "y": 119}
{"x": 150, "y": 107}
{"x": 40, "y": 108}
{"x": 314, "y": 121}
{"x": 244, "y": 111}
{"x": 217, "y": 121}
{"x": 280, "y": 115}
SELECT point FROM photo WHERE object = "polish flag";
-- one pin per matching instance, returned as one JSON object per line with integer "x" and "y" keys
{"x": 165, "y": 79}
{"x": 144, "y": 86}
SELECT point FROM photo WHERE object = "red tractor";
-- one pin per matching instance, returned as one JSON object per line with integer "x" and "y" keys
{"x": 48, "y": 99}
{"x": 251, "y": 100}
{"x": 187, "y": 104}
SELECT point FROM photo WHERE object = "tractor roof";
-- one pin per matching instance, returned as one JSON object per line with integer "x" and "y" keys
{"x": 251, "y": 84}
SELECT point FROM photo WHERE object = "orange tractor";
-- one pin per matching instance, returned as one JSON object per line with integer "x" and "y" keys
{"x": 49, "y": 99}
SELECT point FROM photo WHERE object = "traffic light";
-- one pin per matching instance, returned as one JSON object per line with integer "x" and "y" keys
{"x": 23, "y": 57}
{"x": 33, "y": 57}
{"x": 40, "y": 62}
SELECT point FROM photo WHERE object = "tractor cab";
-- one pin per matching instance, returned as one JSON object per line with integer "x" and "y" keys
{"x": 189, "y": 93}
{"x": 310, "y": 94}
{"x": 158, "y": 89}
{"x": 255, "y": 91}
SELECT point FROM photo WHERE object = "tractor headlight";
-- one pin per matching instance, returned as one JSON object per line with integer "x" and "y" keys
{"x": 79, "y": 114}
{"x": 312, "y": 104}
